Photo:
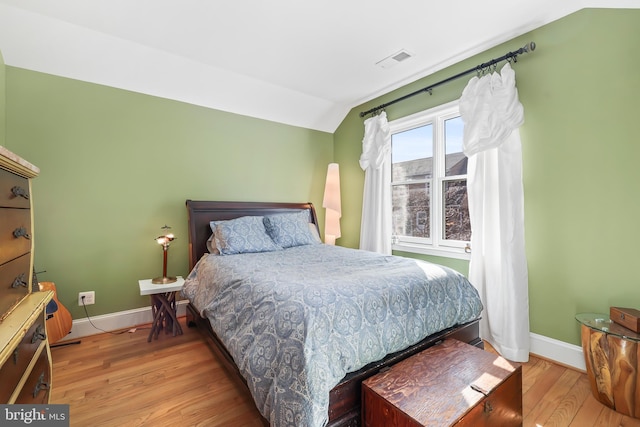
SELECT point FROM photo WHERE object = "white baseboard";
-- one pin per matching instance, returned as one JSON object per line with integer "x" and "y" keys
{"x": 548, "y": 348}
{"x": 558, "y": 351}
{"x": 115, "y": 321}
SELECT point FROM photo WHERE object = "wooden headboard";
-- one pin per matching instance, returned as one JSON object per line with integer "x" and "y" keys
{"x": 202, "y": 212}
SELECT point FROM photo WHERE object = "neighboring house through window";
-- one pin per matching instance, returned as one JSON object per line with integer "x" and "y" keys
{"x": 429, "y": 183}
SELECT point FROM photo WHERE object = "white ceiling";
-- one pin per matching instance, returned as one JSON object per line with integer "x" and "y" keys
{"x": 297, "y": 62}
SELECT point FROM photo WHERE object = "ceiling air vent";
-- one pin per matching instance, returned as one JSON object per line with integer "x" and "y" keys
{"x": 394, "y": 59}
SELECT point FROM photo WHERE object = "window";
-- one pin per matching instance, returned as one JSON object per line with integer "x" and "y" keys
{"x": 429, "y": 183}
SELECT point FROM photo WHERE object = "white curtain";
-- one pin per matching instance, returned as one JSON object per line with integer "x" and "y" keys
{"x": 492, "y": 114}
{"x": 375, "y": 228}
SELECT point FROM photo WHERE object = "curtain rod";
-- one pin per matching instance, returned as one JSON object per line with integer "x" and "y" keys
{"x": 511, "y": 56}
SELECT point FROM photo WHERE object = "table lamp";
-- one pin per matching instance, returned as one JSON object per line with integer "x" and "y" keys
{"x": 164, "y": 241}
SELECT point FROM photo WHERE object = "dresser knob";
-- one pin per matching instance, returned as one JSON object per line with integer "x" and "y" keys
{"x": 21, "y": 232}
{"x": 19, "y": 281}
{"x": 38, "y": 334}
{"x": 20, "y": 192}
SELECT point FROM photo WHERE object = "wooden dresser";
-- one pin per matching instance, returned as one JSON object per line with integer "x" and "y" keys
{"x": 449, "y": 384}
{"x": 25, "y": 358}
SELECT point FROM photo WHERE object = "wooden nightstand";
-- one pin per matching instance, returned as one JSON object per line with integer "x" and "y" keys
{"x": 163, "y": 306}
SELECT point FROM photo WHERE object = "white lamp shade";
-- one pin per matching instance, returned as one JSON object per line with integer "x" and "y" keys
{"x": 331, "y": 203}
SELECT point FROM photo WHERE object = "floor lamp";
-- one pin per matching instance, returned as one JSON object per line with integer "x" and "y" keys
{"x": 331, "y": 203}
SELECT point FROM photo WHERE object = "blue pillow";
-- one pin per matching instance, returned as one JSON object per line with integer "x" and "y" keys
{"x": 290, "y": 229}
{"x": 242, "y": 235}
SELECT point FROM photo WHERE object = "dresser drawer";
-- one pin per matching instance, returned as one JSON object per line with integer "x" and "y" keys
{"x": 15, "y": 233}
{"x": 14, "y": 190}
{"x": 14, "y": 283}
{"x": 13, "y": 369}
{"x": 36, "y": 388}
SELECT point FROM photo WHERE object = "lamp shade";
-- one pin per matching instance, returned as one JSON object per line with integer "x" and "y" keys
{"x": 331, "y": 202}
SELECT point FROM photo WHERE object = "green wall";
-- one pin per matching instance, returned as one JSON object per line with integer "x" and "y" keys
{"x": 581, "y": 94}
{"x": 117, "y": 165}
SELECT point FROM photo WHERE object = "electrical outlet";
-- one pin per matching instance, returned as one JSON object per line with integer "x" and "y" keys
{"x": 89, "y": 298}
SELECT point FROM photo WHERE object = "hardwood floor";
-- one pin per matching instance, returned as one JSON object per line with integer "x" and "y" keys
{"x": 122, "y": 380}
{"x": 555, "y": 396}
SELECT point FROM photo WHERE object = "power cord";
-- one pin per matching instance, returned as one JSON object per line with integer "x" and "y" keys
{"x": 117, "y": 332}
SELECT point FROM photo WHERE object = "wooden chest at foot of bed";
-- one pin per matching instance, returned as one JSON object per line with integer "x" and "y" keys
{"x": 449, "y": 384}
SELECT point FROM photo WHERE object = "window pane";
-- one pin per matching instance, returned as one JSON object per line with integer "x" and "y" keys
{"x": 411, "y": 210}
{"x": 457, "y": 225}
{"x": 455, "y": 160}
{"x": 412, "y": 154}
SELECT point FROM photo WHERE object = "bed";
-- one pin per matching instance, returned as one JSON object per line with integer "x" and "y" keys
{"x": 341, "y": 407}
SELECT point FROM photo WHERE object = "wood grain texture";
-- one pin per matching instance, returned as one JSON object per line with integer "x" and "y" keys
{"x": 624, "y": 373}
{"x": 612, "y": 369}
{"x": 449, "y": 383}
{"x": 59, "y": 323}
{"x": 121, "y": 380}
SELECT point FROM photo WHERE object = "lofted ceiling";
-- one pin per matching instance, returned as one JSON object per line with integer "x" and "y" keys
{"x": 296, "y": 62}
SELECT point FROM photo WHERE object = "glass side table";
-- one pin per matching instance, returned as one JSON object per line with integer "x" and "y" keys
{"x": 611, "y": 357}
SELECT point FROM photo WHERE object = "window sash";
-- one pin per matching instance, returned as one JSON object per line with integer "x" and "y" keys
{"x": 436, "y": 243}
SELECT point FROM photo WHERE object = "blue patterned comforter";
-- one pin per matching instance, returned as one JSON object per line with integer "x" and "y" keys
{"x": 296, "y": 321}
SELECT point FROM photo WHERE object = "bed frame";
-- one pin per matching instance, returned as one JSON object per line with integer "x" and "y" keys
{"x": 344, "y": 399}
